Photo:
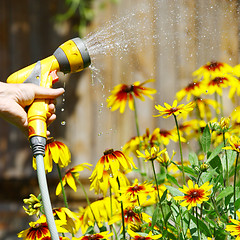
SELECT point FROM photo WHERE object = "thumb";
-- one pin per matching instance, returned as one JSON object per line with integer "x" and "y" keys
{"x": 42, "y": 92}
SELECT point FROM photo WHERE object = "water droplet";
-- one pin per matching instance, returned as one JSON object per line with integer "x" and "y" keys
{"x": 62, "y": 110}
{"x": 64, "y": 100}
{"x": 100, "y": 134}
{"x": 63, "y": 123}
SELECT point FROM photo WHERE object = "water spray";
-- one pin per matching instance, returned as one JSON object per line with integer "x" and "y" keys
{"x": 71, "y": 56}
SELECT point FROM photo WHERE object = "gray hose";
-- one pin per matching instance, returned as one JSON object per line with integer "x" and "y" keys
{"x": 42, "y": 181}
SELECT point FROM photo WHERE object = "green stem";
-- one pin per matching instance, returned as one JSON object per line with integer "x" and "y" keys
{"x": 221, "y": 106}
{"x": 234, "y": 184}
{"x": 227, "y": 174}
{"x": 180, "y": 147}
{"x": 122, "y": 210}
{"x": 112, "y": 228}
{"x": 198, "y": 230}
{"x": 216, "y": 99}
{"x": 63, "y": 190}
{"x": 136, "y": 116}
{"x": 87, "y": 199}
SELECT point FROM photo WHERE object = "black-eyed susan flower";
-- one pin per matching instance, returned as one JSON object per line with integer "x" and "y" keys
{"x": 234, "y": 228}
{"x": 55, "y": 151}
{"x": 101, "y": 185}
{"x": 69, "y": 218}
{"x": 70, "y": 176}
{"x": 33, "y": 205}
{"x": 195, "y": 88}
{"x": 39, "y": 230}
{"x": 212, "y": 70}
{"x": 130, "y": 217}
{"x": 204, "y": 107}
{"x": 123, "y": 93}
{"x": 152, "y": 155}
{"x": 234, "y": 142}
{"x": 113, "y": 162}
{"x": 137, "y": 236}
{"x": 165, "y": 160}
{"x": 234, "y": 87}
{"x": 168, "y": 135}
{"x": 193, "y": 194}
{"x": 136, "y": 191}
{"x": 99, "y": 211}
{"x": 235, "y": 115}
{"x": 97, "y": 236}
{"x": 169, "y": 110}
{"x": 216, "y": 84}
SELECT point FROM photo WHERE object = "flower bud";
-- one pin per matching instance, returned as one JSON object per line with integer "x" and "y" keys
{"x": 204, "y": 167}
{"x": 224, "y": 123}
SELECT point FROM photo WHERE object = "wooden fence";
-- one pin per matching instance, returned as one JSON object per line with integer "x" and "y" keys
{"x": 189, "y": 34}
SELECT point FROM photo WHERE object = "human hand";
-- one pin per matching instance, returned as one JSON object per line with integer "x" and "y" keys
{"x": 15, "y": 97}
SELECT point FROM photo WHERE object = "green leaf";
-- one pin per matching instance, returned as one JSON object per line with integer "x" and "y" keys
{"x": 237, "y": 204}
{"x": 206, "y": 139}
{"x": 174, "y": 191}
{"x": 215, "y": 152}
{"x": 216, "y": 164}
{"x": 225, "y": 192}
{"x": 172, "y": 179}
{"x": 193, "y": 159}
{"x": 202, "y": 226}
{"x": 163, "y": 197}
{"x": 154, "y": 217}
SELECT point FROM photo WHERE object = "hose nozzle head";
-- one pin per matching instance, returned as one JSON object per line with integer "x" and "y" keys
{"x": 72, "y": 56}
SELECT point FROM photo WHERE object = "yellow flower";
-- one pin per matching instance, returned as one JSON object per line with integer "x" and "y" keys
{"x": 101, "y": 185}
{"x": 235, "y": 115}
{"x": 96, "y": 236}
{"x": 100, "y": 211}
{"x": 113, "y": 162}
{"x": 71, "y": 220}
{"x": 195, "y": 89}
{"x": 55, "y": 151}
{"x": 234, "y": 228}
{"x": 123, "y": 93}
{"x": 39, "y": 230}
{"x": 165, "y": 160}
{"x": 224, "y": 123}
{"x": 212, "y": 70}
{"x": 194, "y": 194}
{"x": 34, "y": 205}
{"x": 169, "y": 110}
{"x": 136, "y": 191}
{"x": 167, "y": 135}
{"x": 149, "y": 236}
{"x": 70, "y": 176}
{"x": 234, "y": 142}
{"x": 152, "y": 155}
{"x": 130, "y": 216}
{"x": 234, "y": 88}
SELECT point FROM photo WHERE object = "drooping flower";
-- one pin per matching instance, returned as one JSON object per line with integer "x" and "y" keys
{"x": 130, "y": 216}
{"x": 101, "y": 185}
{"x": 204, "y": 110}
{"x": 149, "y": 236}
{"x": 212, "y": 70}
{"x": 34, "y": 205}
{"x": 165, "y": 160}
{"x": 136, "y": 191}
{"x": 55, "y": 151}
{"x": 71, "y": 220}
{"x": 70, "y": 176}
{"x": 152, "y": 155}
{"x": 123, "y": 93}
{"x": 99, "y": 211}
{"x": 234, "y": 228}
{"x": 39, "y": 229}
{"x": 234, "y": 142}
{"x": 193, "y": 194}
{"x": 169, "y": 110}
{"x": 195, "y": 88}
{"x": 97, "y": 236}
{"x": 113, "y": 162}
{"x": 167, "y": 135}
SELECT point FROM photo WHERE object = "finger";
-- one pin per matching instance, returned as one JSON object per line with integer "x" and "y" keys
{"x": 41, "y": 92}
{"x": 51, "y": 108}
{"x": 51, "y": 119}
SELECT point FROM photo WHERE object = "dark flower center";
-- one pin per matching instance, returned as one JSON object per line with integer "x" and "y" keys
{"x": 108, "y": 151}
{"x": 135, "y": 188}
{"x": 213, "y": 66}
{"x": 128, "y": 88}
{"x": 218, "y": 81}
{"x": 191, "y": 86}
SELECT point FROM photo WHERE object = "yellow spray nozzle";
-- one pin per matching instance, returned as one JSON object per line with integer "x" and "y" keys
{"x": 71, "y": 56}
